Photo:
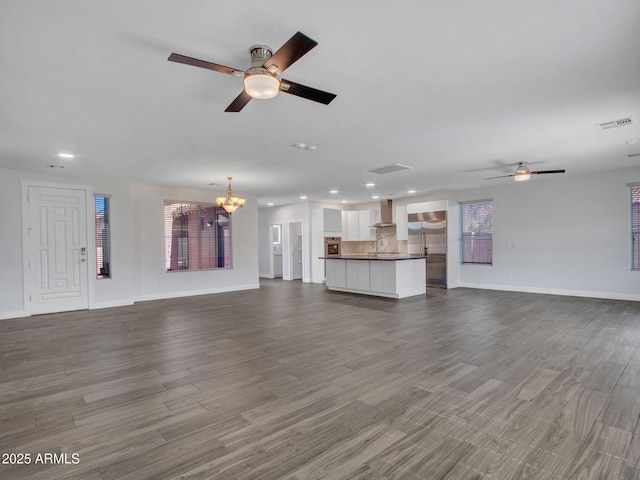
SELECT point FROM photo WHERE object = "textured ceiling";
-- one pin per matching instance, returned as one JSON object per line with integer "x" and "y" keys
{"x": 449, "y": 88}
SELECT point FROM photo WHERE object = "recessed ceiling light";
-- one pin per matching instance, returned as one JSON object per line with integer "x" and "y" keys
{"x": 631, "y": 142}
{"x": 334, "y": 191}
{"x": 303, "y": 197}
{"x": 411, "y": 191}
{"x": 66, "y": 155}
{"x": 270, "y": 204}
{"x": 376, "y": 196}
{"x": 303, "y": 146}
{"x": 369, "y": 184}
{"x": 345, "y": 201}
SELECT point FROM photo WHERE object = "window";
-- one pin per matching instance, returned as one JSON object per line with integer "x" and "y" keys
{"x": 196, "y": 237}
{"x": 103, "y": 236}
{"x": 635, "y": 227}
{"x": 477, "y": 232}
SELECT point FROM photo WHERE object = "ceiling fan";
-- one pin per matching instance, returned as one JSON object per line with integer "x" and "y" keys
{"x": 262, "y": 80}
{"x": 522, "y": 173}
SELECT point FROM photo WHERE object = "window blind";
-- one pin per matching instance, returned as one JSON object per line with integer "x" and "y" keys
{"x": 635, "y": 228}
{"x": 103, "y": 236}
{"x": 477, "y": 232}
{"x": 197, "y": 237}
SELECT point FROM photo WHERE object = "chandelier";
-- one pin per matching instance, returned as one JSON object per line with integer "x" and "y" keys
{"x": 230, "y": 203}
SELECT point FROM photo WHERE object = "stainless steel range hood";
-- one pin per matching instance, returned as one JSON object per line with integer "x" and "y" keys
{"x": 386, "y": 214}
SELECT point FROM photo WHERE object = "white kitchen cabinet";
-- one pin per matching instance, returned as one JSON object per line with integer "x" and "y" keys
{"x": 332, "y": 221}
{"x": 355, "y": 225}
{"x": 350, "y": 226}
{"x": 336, "y": 274}
{"x": 345, "y": 226}
{"x": 401, "y": 221}
{"x": 397, "y": 277}
{"x": 357, "y": 273}
{"x": 383, "y": 277}
{"x": 366, "y": 218}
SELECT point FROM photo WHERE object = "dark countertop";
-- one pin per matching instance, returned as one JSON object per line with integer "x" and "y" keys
{"x": 383, "y": 257}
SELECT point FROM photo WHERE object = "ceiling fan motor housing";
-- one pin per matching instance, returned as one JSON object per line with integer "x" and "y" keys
{"x": 260, "y": 82}
{"x": 260, "y": 54}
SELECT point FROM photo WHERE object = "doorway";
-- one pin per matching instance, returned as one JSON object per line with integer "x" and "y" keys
{"x": 295, "y": 242}
{"x": 276, "y": 250}
{"x": 56, "y": 256}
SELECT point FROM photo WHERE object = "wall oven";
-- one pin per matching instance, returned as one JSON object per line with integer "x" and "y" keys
{"x": 332, "y": 246}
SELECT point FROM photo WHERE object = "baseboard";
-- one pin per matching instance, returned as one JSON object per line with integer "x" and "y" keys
{"x": 267, "y": 275}
{"x": 16, "y": 314}
{"x": 555, "y": 291}
{"x": 192, "y": 293}
{"x": 110, "y": 304}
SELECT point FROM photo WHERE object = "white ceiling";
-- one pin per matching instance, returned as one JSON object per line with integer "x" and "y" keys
{"x": 444, "y": 87}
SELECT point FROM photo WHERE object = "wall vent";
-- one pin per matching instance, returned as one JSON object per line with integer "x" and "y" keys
{"x": 616, "y": 123}
{"x": 631, "y": 155}
{"x": 394, "y": 167}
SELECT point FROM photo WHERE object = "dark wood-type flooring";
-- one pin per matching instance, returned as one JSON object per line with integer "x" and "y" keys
{"x": 294, "y": 382}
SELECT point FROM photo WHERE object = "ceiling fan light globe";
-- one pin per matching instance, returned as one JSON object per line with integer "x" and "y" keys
{"x": 261, "y": 85}
{"x": 522, "y": 177}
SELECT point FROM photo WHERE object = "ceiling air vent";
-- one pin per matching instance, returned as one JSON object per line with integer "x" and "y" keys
{"x": 616, "y": 123}
{"x": 631, "y": 155}
{"x": 394, "y": 167}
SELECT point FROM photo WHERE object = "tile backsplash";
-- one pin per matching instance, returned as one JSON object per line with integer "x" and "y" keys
{"x": 387, "y": 242}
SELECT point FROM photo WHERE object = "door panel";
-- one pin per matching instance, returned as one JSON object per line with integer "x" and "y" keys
{"x": 57, "y": 249}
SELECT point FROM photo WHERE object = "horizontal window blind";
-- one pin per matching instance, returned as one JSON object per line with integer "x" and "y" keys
{"x": 635, "y": 227}
{"x": 103, "y": 236}
{"x": 477, "y": 232}
{"x": 197, "y": 237}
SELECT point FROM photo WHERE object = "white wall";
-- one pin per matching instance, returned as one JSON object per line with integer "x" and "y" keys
{"x": 564, "y": 235}
{"x": 154, "y": 282}
{"x": 137, "y": 268}
{"x": 284, "y": 215}
{"x": 106, "y": 292}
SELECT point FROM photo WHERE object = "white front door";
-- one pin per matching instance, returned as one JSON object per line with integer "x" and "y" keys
{"x": 57, "y": 249}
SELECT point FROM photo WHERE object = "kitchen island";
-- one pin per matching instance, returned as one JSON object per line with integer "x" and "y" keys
{"x": 384, "y": 275}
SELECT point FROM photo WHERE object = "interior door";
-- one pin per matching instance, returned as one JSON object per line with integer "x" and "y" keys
{"x": 297, "y": 258}
{"x": 57, "y": 249}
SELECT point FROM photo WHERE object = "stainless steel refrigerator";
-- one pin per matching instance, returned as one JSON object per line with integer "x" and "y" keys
{"x": 428, "y": 236}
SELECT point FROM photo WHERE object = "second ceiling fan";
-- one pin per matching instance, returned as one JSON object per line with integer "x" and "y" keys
{"x": 522, "y": 173}
{"x": 262, "y": 80}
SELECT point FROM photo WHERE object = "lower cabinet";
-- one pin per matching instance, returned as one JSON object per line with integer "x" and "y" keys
{"x": 383, "y": 277}
{"x": 358, "y": 274}
{"x": 393, "y": 279}
{"x": 336, "y": 273}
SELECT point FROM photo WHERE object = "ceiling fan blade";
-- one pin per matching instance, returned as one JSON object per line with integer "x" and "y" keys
{"x": 289, "y": 53}
{"x": 306, "y": 92}
{"x": 501, "y": 176}
{"x": 239, "y": 103}
{"x": 176, "y": 57}
{"x": 540, "y": 172}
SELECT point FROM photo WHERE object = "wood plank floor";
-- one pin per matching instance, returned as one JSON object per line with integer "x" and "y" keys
{"x": 294, "y": 382}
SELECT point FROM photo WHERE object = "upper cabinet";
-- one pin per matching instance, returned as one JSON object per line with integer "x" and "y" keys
{"x": 332, "y": 222}
{"x": 356, "y": 225}
{"x": 401, "y": 220}
{"x": 350, "y": 225}
{"x": 366, "y": 218}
